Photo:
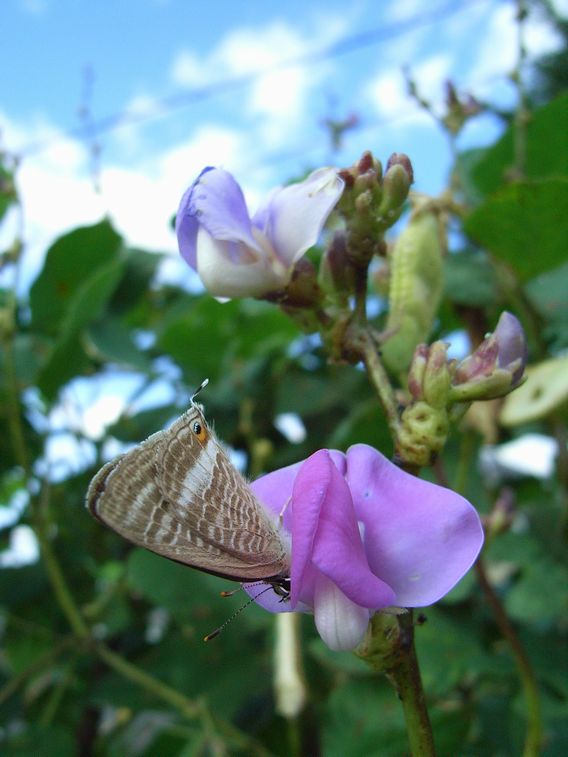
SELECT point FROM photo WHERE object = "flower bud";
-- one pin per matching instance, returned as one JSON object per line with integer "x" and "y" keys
{"x": 496, "y": 367}
{"x": 399, "y": 176}
{"x": 437, "y": 378}
{"x": 417, "y": 371}
{"x": 396, "y": 185}
{"x": 336, "y": 271}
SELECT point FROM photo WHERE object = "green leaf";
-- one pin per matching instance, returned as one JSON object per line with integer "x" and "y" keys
{"x": 68, "y": 358}
{"x": 135, "y": 428}
{"x": 180, "y": 589}
{"x": 7, "y": 190}
{"x": 524, "y": 226}
{"x": 110, "y": 341}
{"x": 140, "y": 269}
{"x": 208, "y": 336}
{"x": 90, "y": 297}
{"x": 70, "y": 262}
{"x": 363, "y": 718}
{"x": 547, "y": 293}
{"x": 448, "y": 652}
{"x": 19, "y": 586}
{"x": 469, "y": 279}
{"x": 364, "y": 424}
{"x": 40, "y": 741}
{"x": 546, "y": 149}
{"x": 529, "y": 600}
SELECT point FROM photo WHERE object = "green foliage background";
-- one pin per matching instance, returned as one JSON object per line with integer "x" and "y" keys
{"x": 102, "y": 650}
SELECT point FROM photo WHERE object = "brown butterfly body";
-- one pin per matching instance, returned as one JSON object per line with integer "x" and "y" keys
{"x": 178, "y": 494}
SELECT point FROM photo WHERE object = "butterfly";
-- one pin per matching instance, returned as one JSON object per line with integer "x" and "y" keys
{"x": 179, "y": 495}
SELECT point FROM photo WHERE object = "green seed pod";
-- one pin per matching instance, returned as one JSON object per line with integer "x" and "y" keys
{"x": 415, "y": 288}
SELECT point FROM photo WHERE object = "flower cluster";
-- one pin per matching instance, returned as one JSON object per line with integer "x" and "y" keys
{"x": 365, "y": 536}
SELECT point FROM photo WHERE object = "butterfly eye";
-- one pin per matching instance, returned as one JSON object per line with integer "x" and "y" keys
{"x": 200, "y": 431}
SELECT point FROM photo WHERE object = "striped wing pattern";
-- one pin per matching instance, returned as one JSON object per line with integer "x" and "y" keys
{"x": 182, "y": 498}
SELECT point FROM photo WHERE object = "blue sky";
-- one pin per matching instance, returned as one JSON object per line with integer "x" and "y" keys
{"x": 140, "y": 52}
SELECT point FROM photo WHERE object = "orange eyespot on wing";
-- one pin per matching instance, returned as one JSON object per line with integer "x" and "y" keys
{"x": 200, "y": 431}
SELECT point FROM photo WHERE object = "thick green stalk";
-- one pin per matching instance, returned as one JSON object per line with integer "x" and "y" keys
{"x": 388, "y": 647}
{"x": 408, "y": 683}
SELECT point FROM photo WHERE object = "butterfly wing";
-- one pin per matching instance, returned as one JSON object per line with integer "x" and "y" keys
{"x": 195, "y": 473}
{"x": 186, "y": 501}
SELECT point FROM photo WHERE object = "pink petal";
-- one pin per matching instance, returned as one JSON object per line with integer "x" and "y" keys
{"x": 420, "y": 538}
{"x": 325, "y": 532}
{"x": 274, "y": 490}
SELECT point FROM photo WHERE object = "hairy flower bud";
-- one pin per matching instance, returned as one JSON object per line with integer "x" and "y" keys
{"x": 399, "y": 175}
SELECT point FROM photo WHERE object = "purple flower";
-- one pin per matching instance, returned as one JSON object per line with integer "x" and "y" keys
{"x": 365, "y": 536}
{"x": 238, "y": 256}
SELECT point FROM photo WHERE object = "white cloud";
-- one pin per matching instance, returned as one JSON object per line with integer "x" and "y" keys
{"x": 187, "y": 70}
{"x": 34, "y": 7}
{"x": 388, "y": 92}
{"x": 140, "y": 194}
{"x": 278, "y": 95}
{"x": 561, "y": 7}
{"x": 497, "y": 54}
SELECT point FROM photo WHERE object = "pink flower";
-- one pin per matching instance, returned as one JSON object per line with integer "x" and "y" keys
{"x": 365, "y": 536}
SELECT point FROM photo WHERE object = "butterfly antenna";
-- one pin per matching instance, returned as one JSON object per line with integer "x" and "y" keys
{"x": 238, "y": 611}
{"x": 241, "y": 588}
{"x": 199, "y": 388}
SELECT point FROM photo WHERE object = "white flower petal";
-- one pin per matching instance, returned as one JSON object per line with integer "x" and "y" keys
{"x": 231, "y": 269}
{"x": 293, "y": 217}
{"x": 340, "y": 622}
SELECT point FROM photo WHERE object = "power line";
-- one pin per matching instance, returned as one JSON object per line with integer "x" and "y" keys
{"x": 168, "y": 103}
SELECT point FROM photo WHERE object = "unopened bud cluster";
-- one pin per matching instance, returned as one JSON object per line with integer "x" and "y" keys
{"x": 372, "y": 202}
{"x": 437, "y": 385}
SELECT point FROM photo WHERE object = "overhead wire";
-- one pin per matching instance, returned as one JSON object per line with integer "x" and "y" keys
{"x": 163, "y": 106}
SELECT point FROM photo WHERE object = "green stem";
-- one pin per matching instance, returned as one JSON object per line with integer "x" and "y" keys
{"x": 57, "y": 580}
{"x": 13, "y": 398}
{"x": 522, "y": 112}
{"x": 193, "y": 710}
{"x": 405, "y": 676}
{"x": 55, "y": 575}
{"x": 379, "y": 378}
{"x": 57, "y": 694}
{"x": 38, "y": 664}
{"x": 533, "y": 738}
{"x": 388, "y": 647}
{"x": 180, "y": 702}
